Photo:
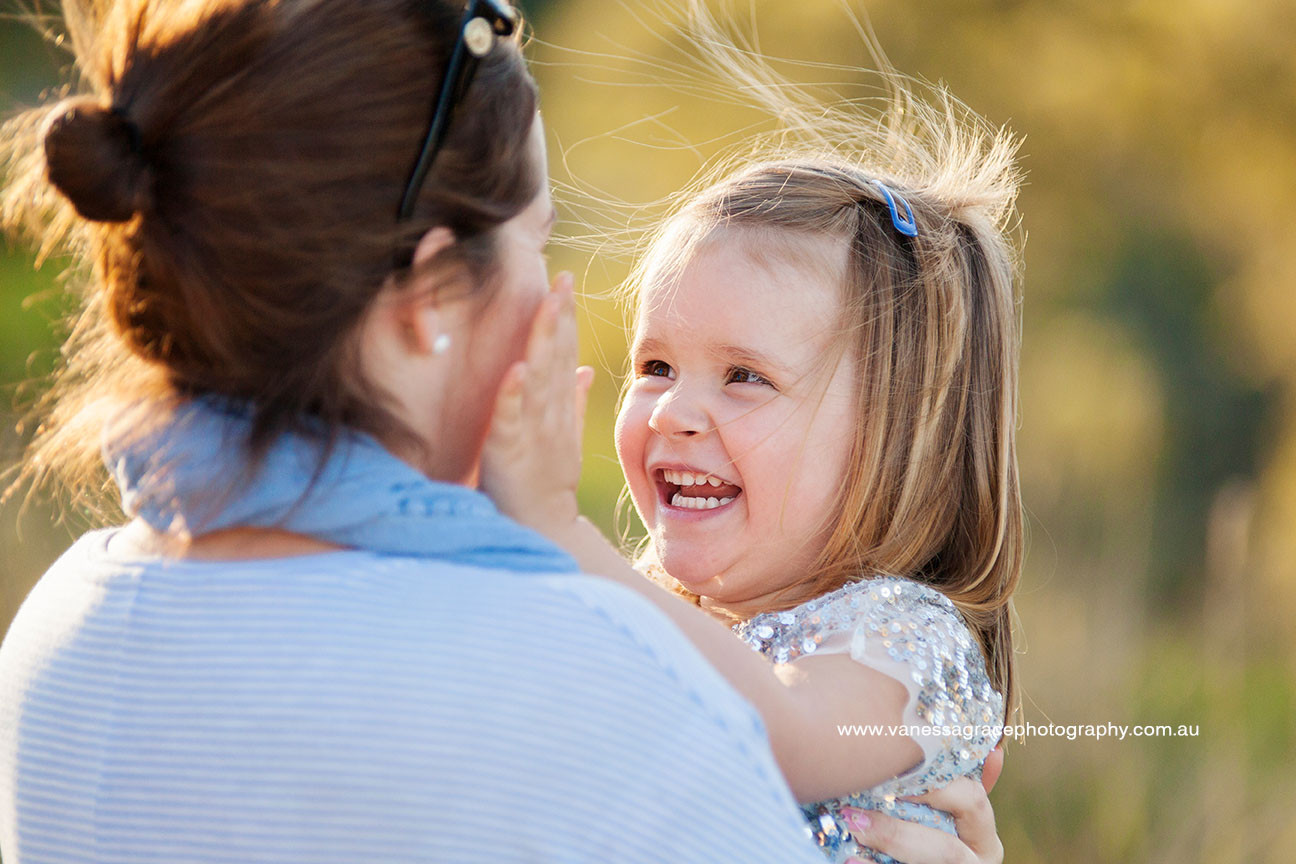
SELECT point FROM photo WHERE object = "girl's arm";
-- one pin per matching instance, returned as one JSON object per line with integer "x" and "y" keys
{"x": 531, "y": 468}
{"x": 802, "y": 703}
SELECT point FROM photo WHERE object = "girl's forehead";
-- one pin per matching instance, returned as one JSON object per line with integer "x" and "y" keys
{"x": 745, "y": 280}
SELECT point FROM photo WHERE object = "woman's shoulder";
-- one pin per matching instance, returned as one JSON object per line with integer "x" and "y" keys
{"x": 344, "y": 591}
{"x": 353, "y": 606}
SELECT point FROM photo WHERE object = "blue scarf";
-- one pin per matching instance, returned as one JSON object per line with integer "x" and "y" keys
{"x": 192, "y": 473}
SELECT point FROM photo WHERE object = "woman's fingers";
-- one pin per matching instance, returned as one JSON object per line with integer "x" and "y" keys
{"x": 908, "y": 841}
{"x": 993, "y": 767}
{"x": 965, "y": 799}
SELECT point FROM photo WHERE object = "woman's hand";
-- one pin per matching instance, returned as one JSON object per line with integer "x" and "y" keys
{"x": 992, "y": 768}
{"x": 532, "y": 459}
{"x": 965, "y": 799}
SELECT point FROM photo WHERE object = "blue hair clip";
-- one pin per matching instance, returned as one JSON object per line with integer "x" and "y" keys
{"x": 905, "y": 225}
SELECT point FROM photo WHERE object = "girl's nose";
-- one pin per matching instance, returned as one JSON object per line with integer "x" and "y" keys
{"x": 677, "y": 415}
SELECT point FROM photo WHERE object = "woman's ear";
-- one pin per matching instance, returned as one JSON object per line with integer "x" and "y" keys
{"x": 431, "y": 244}
{"x": 420, "y": 319}
{"x": 421, "y": 325}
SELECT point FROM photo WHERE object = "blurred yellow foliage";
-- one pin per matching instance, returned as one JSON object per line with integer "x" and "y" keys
{"x": 1158, "y": 440}
{"x": 1158, "y": 422}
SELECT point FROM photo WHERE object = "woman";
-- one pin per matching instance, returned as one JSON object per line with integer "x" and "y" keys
{"x": 315, "y": 641}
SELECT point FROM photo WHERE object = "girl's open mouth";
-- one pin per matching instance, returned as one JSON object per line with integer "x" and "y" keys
{"x": 694, "y": 490}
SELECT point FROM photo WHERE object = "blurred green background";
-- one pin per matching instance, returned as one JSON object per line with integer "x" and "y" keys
{"x": 1158, "y": 425}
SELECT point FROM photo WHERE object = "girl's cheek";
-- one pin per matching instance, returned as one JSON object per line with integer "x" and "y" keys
{"x": 631, "y": 438}
{"x": 631, "y": 434}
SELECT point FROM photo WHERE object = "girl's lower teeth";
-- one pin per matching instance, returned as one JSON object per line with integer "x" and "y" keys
{"x": 698, "y": 503}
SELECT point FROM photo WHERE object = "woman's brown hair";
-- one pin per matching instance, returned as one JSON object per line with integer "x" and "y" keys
{"x": 228, "y": 176}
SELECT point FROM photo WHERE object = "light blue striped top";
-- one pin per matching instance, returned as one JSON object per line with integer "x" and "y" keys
{"x": 361, "y": 708}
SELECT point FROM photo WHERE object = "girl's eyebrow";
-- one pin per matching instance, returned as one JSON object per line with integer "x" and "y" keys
{"x": 647, "y": 345}
{"x": 746, "y": 357}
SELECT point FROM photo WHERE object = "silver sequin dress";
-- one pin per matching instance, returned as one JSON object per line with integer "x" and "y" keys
{"x": 913, "y": 634}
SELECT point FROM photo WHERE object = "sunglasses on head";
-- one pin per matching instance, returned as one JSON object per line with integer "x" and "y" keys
{"x": 483, "y": 21}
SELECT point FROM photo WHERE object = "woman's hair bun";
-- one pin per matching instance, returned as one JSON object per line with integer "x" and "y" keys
{"x": 93, "y": 156}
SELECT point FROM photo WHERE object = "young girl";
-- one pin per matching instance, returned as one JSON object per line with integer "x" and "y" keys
{"x": 819, "y": 438}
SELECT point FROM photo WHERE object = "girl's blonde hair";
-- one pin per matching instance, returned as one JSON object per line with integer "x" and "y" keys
{"x": 932, "y": 491}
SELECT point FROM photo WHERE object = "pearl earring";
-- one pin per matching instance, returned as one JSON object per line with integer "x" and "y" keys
{"x": 441, "y": 344}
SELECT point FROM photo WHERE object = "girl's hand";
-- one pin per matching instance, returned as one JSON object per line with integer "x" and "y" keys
{"x": 532, "y": 459}
{"x": 964, "y": 799}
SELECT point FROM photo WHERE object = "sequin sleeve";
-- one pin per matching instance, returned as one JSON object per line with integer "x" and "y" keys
{"x": 915, "y": 635}
{"x": 911, "y": 633}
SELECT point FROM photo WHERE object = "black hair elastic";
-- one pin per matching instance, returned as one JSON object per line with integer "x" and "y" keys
{"x": 133, "y": 139}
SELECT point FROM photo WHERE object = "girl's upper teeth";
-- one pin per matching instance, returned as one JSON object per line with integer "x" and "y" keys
{"x": 687, "y": 478}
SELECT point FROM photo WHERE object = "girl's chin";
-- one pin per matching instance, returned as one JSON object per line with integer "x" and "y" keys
{"x": 698, "y": 585}
{"x": 700, "y": 579}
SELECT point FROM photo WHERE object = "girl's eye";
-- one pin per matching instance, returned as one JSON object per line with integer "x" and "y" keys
{"x": 654, "y": 369}
{"x": 739, "y": 375}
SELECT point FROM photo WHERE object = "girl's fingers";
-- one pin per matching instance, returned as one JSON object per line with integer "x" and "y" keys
{"x": 508, "y": 405}
{"x": 541, "y": 399}
{"x": 535, "y": 336}
{"x": 908, "y": 841}
{"x": 567, "y": 347}
{"x": 564, "y": 281}
{"x": 540, "y": 346}
{"x": 552, "y": 348}
{"x": 548, "y": 404}
{"x": 584, "y": 380}
{"x": 563, "y": 332}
